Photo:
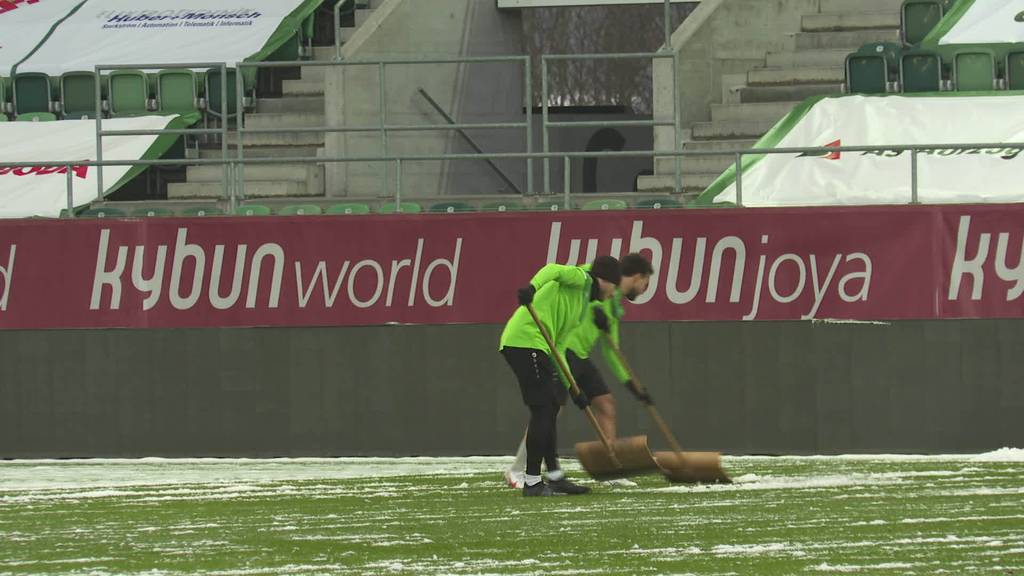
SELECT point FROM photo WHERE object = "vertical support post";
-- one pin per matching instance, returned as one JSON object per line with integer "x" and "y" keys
{"x": 71, "y": 192}
{"x": 224, "y": 125}
{"x": 99, "y": 136}
{"x": 398, "y": 184}
{"x": 337, "y": 30}
{"x": 739, "y": 179}
{"x": 567, "y": 182}
{"x": 544, "y": 122}
{"x": 913, "y": 177}
{"x": 528, "y": 81}
{"x": 238, "y": 185}
{"x": 232, "y": 195}
{"x": 382, "y": 107}
{"x": 668, "y": 24}
{"x": 677, "y": 137}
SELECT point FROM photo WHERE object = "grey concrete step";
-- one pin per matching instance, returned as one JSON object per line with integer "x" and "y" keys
{"x": 362, "y": 15}
{"x": 264, "y": 152}
{"x": 252, "y": 190}
{"x": 323, "y": 53}
{"x": 287, "y": 120}
{"x": 279, "y": 139}
{"x": 807, "y": 75}
{"x": 848, "y": 6}
{"x": 255, "y": 173}
{"x": 693, "y": 183}
{"x": 295, "y": 105}
{"x": 302, "y": 87}
{"x": 727, "y": 130}
{"x": 807, "y": 58}
{"x": 849, "y": 21}
{"x": 694, "y": 164}
{"x": 852, "y": 39}
{"x": 753, "y": 112}
{"x": 787, "y": 93}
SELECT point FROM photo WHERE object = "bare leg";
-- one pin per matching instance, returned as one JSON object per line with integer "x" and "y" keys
{"x": 604, "y": 411}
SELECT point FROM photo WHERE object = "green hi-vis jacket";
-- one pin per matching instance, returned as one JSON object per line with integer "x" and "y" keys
{"x": 587, "y": 335}
{"x": 561, "y": 302}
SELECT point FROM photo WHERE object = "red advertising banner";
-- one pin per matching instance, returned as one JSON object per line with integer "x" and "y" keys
{"x": 871, "y": 263}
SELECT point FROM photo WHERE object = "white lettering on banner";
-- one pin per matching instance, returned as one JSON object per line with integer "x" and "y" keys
{"x": 822, "y": 272}
{"x": 320, "y": 277}
{"x": 185, "y": 256}
{"x": 7, "y": 274}
{"x": 975, "y": 266}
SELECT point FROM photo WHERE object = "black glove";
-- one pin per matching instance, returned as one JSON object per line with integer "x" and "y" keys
{"x": 526, "y": 295}
{"x": 641, "y": 395}
{"x": 581, "y": 400}
{"x": 601, "y": 320}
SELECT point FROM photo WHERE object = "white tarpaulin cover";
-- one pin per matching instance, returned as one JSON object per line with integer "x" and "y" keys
{"x": 981, "y": 22}
{"x": 978, "y": 175}
{"x": 24, "y": 24}
{"x": 38, "y": 191}
{"x": 161, "y": 32}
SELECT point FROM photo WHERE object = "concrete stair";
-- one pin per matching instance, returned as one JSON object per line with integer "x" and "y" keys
{"x": 816, "y": 66}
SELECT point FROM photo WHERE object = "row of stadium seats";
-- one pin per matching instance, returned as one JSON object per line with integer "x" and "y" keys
{"x": 122, "y": 92}
{"x": 356, "y": 208}
{"x": 884, "y": 67}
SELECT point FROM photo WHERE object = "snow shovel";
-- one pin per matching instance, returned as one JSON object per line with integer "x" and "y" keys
{"x": 605, "y": 459}
{"x": 677, "y": 466}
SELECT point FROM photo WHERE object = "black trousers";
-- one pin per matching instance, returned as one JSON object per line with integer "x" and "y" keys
{"x": 544, "y": 394}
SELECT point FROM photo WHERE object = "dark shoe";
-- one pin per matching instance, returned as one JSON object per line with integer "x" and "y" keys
{"x": 564, "y": 486}
{"x": 538, "y": 489}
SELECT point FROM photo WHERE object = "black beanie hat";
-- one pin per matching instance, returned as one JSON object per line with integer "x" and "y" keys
{"x": 607, "y": 268}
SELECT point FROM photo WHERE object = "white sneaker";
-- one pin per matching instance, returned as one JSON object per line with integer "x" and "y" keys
{"x": 515, "y": 479}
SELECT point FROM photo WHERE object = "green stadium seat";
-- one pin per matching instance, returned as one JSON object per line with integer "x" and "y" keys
{"x": 920, "y": 71}
{"x": 103, "y": 213}
{"x": 551, "y": 206}
{"x": 348, "y": 208}
{"x": 870, "y": 69}
{"x": 153, "y": 212}
{"x": 974, "y": 69}
{"x": 3, "y": 117}
{"x": 300, "y": 210}
{"x": 658, "y": 203}
{"x": 128, "y": 93}
{"x": 4, "y": 91}
{"x": 33, "y": 92}
{"x": 404, "y": 208}
{"x": 1015, "y": 70}
{"x": 78, "y": 95}
{"x": 502, "y": 207}
{"x": 919, "y": 17}
{"x": 176, "y": 92}
{"x": 451, "y": 207}
{"x": 37, "y": 117}
{"x": 201, "y": 211}
{"x": 214, "y": 103}
{"x": 608, "y": 204}
{"x": 253, "y": 210}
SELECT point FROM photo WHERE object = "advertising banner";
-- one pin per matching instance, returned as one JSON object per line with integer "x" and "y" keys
{"x": 981, "y": 22}
{"x": 24, "y": 24}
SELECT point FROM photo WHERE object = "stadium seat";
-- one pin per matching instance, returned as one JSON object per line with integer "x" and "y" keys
{"x": 608, "y": 204}
{"x": 32, "y": 93}
{"x": 78, "y": 95}
{"x": 550, "y": 205}
{"x": 404, "y": 208}
{"x": 128, "y": 93}
{"x": 214, "y": 105}
{"x": 920, "y": 71}
{"x": 152, "y": 212}
{"x": 37, "y": 117}
{"x": 103, "y": 213}
{"x": 451, "y": 207}
{"x": 1015, "y": 70}
{"x": 502, "y": 207}
{"x": 658, "y": 203}
{"x": 919, "y": 17}
{"x": 200, "y": 211}
{"x": 300, "y": 210}
{"x": 974, "y": 69}
{"x": 176, "y": 92}
{"x": 348, "y": 208}
{"x": 3, "y": 117}
{"x": 4, "y": 91}
{"x": 253, "y": 210}
{"x": 870, "y": 68}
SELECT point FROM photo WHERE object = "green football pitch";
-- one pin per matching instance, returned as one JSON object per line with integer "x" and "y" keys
{"x": 784, "y": 515}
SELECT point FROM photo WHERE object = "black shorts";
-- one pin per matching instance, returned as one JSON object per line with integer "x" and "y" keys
{"x": 538, "y": 378}
{"x": 586, "y": 374}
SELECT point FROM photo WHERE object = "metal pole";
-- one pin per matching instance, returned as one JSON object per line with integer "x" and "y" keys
{"x": 398, "y": 184}
{"x": 232, "y": 196}
{"x": 677, "y": 137}
{"x": 71, "y": 192}
{"x": 224, "y": 124}
{"x": 913, "y": 176}
{"x": 668, "y": 23}
{"x": 383, "y": 121}
{"x": 567, "y": 182}
{"x": 544, "y": 122}
{"x": 739, "y": 179}
{"x": 99, "y": 136}
{"x": 528, "y": 74}
{"x": 238, "y": 180}
{"x": 337, "y": 30}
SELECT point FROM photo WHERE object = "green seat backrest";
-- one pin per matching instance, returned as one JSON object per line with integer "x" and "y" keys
{"x": 103, "y": 213}
{"x": 3, "y": 95}
{"x": 612, "y": 204}
{"x": 252, "y": 210}
{"x": 129, "y": 93}
{"x": 3, "y": 117}
{"x": 176, "y": 91}
{"x": 405, "y": 208}
{"x": 1015, "y": 70}
{"x": 78, "y": 95}
{"x": 502, "y": 207}
{"x": 214, "y": 102}
{"x": 300, "y": 210}
{"x": 921, "y": 71}
{"x": 451, "y": 207}
{"x": 198, "y": 211}
{"x": 349, "y": 208}
{"x": 153, "y": 211}
{"x": 37, "y": 117}
{"x": 866, "y": 74}
{"x": 550, "y": 205}
{"x": 658, "y": 203}
{"x": 919, "y": 18}
{"x": 32, "y": 93}
{"x": 974, "y": 70}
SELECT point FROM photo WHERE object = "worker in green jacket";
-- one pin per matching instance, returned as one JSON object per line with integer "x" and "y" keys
{"x": 604, "y": 317}
{"x": 561, "y": 297}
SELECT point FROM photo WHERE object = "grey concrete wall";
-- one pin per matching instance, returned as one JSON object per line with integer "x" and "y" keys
{"x": 767, "y": 387}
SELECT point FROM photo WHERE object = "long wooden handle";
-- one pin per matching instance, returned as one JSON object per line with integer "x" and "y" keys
{"x": 650, "y": 406}
{"x": 572, "y": 384}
